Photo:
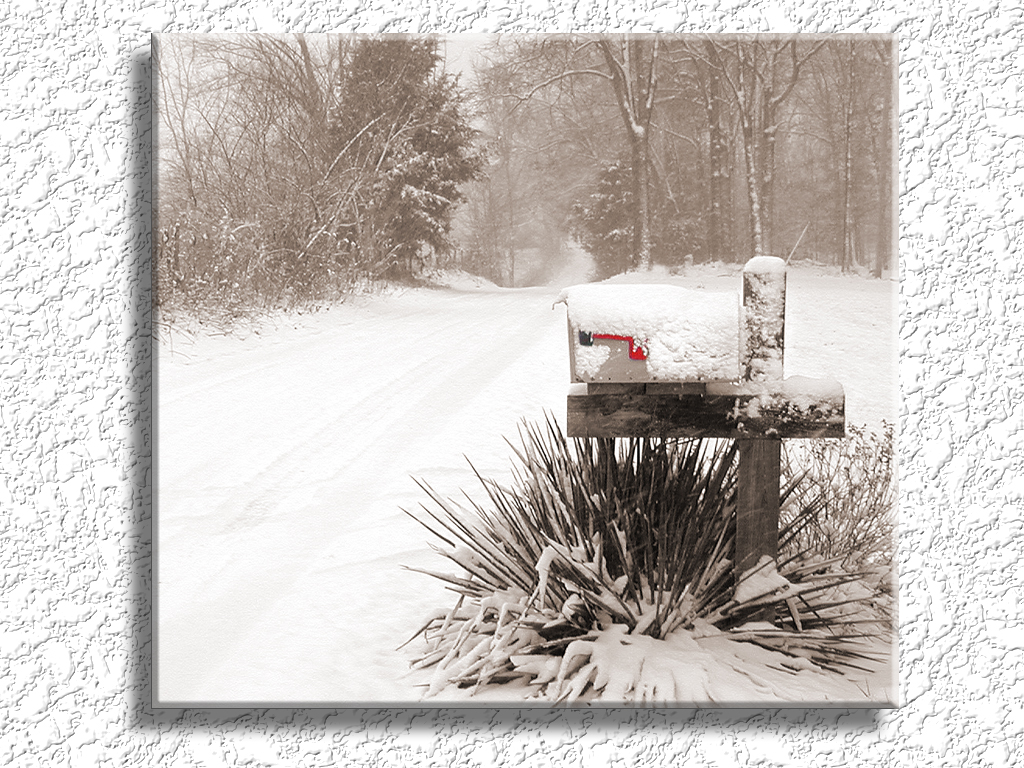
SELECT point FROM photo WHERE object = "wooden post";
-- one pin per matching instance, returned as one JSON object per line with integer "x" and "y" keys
{"x": 759, "y": 470}
{"x": 764, "y": 318}
{"x": 757, "y": 503}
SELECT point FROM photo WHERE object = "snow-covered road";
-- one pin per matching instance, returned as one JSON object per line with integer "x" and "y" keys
{"x": 284, "y": 460}
{"x": 283, "y": 465}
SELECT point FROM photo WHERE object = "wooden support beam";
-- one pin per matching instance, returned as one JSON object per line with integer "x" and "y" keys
{"x": 757, "y": 508}
{"x": 730, "y": 411}
{"x": 757, "y": 514}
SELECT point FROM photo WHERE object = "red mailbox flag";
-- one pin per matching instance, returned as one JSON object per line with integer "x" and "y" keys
{"x": 637, "y": 350}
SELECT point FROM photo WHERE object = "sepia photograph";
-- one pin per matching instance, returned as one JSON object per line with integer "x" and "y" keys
{"x": 525, "y": 370}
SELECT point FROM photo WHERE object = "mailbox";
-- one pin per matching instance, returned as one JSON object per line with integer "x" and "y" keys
{"x": 662, "y": 360}
{"x": 621, "y": 333}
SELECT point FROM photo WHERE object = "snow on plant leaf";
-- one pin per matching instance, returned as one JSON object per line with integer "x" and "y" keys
{"x": 762, "y": 579}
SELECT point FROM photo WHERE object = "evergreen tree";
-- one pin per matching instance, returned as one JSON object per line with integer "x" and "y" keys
{"x": 603, "y": 223}
{"x": 399, "y": 126}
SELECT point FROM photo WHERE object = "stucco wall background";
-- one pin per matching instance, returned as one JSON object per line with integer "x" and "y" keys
{"x": 76, "y": 422}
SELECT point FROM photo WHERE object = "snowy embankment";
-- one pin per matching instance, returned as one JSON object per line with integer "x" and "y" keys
{"x": 284, "y": 458}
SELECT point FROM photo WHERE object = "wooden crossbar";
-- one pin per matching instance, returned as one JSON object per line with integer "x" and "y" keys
{"x": 646, "y": 410}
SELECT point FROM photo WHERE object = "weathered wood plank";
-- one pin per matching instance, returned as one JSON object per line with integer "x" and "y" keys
{"x": 757, "y": 530}
{"x": 757, "y": 505}
{"x": 616, "y": 388}
{"x": 676, "y": 388}
{"x": 649, "y": 388}
{"x": 686, "y": 415}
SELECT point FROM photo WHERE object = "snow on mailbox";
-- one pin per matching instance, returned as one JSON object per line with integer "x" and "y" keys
{"x": 640, "y": 333}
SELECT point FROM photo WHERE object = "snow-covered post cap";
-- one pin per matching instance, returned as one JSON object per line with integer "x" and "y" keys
{"x": 764, "y": 318}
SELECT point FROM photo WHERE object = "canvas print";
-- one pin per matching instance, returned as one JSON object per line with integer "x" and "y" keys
{"x": 525, "y": 370}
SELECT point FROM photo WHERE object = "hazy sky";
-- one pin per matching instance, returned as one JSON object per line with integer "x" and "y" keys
{"x": 460, "y": 50}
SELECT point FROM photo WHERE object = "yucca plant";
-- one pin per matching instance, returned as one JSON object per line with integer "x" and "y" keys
{"x": 602, "y": 542}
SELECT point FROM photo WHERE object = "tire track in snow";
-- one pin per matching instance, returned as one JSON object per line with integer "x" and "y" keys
{"x": 382, "y": 405}
{"x": 264, "y": 545}
{"x": 205, "y": 404}
{"x": 236, "y": 368}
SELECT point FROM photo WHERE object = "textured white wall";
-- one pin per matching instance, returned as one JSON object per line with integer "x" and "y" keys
{"x": 77, "y": 424}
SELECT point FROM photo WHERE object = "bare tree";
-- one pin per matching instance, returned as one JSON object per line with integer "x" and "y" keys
{"x": 802, "y": 117}
{"x": 845, "y": 110}
{"x": 716, "y": 105}
{"x": 884, "y": 250}
{"x": 632, "y": 64}
{"x": 628, "y": 65}
{"x": 761, "y": 72}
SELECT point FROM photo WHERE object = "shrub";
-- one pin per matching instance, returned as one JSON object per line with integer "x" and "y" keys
{"x": 854, "y": 483}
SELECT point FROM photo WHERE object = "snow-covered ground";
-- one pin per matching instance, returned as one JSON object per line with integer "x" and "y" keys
{"x": 286, "y": 453}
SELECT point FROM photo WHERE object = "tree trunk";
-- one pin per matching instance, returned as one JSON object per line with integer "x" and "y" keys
{"x": 753, "y": 193}
{"x": 634, "y": 82}
{"x": 720, "y": 163}
{"x": 761, "y": 86}
{"x": 642, "y": 194}
{"x": 767, "y": 130}
{"x": 847, "y": 190}
{"x": 884, "y": 247}
{"x": 747, "y": 97}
